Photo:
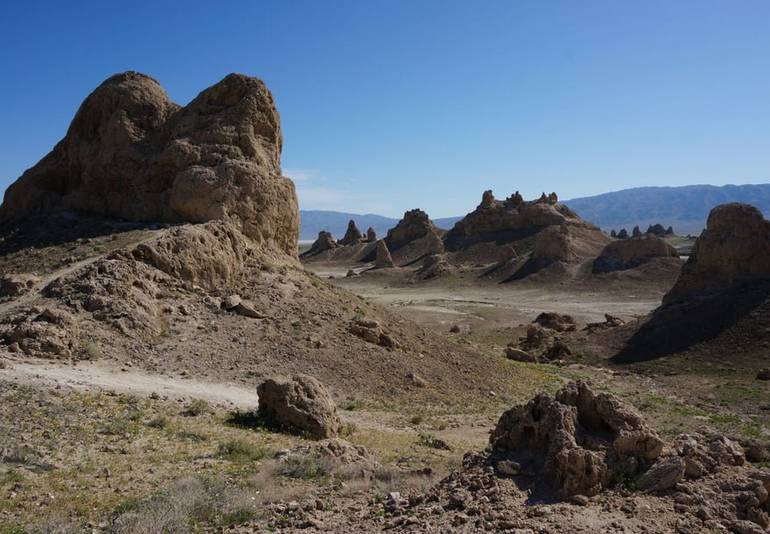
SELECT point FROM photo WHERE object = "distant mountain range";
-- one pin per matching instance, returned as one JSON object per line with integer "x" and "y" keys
{"x": 685, "y": 208}
{"x": 336, "y": 222}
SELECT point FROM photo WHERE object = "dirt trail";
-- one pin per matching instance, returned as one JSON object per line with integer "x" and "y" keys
{"x": 30, "y": 296}
{"x": 103, "y": 376}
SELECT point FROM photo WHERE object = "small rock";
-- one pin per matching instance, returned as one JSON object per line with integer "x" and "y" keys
{"x": 764, "y": 374}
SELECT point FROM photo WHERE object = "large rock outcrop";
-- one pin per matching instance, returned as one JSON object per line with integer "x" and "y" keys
{"x": 301, "y": 403}
{"x": 733, "y": 249}
{"x": 384, "y": 260}
{"x": 578, "y": 441}
{"x": 631, "y": 253}
{"x": 721, "y": 296}
{"x": 131, "y": 153}
{"x": 352, "y": 235}
{"x": 416, "y": 231}
{"x": 324, "y": 242}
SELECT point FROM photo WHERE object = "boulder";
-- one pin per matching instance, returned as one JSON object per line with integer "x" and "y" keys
{"x": 352, "y": 235}
{"x": 16, "y": 285}
{"x": 384, "y": 259}
{"x": 631, "y": 253}
{"x": 131, "y": 153}
{"x": 301, "y": 403}
{"x": 513, "y": 353}
{"x": 324, "y": 242}
{"x": 733, "y": 249}
{"x": 556, "y": 321}
{"x": 578, "y": 441}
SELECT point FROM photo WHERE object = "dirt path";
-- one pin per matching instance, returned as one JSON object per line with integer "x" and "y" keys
{"x": 30, "y": 296}
{"x": 103, "y": 376}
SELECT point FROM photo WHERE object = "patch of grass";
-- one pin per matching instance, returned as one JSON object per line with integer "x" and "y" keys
{"x": 196, "y": 407}
{"x": 91, "y": 351}
{"x": 11, "y": 477}
{"x": 160, "y": 422}
{"x": 11, "y": 528}
{"x": 416, "y": 419}
{"x": 304, "y": 468}
{"x": 192, "y": 435}
{"x": 241, "y": 451}
{"x": 432, "y": 442}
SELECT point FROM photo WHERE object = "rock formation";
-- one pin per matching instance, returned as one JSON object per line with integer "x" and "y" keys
{"x": 545, "y": 229}
{"x": 371, "y": 235}
{"x": 578, "y": 441}
{"x": 733, "y": 249}
{"x": 301, "y": 403}
{"x": 324, "y": 242}
{"x": 415, "y": 228}
{"x": 630, "y": 253}
{"x": 636, "y": 232}
{"x": 384, "y": 259}
{"x": 623, "y": 234}
{"x": 656, "y": 229}
{"x": 556, "y": 321}
{"x": 722, "y": 294}
{"x": 352, "y": 234}
{"x": 131, "y": 153}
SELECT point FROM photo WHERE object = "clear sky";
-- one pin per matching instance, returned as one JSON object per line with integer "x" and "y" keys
{"x": 389, "y": 105}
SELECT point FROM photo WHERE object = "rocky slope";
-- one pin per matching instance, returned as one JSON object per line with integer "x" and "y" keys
{"x": 219, "y": 293}
{"x": 722, "y": 295}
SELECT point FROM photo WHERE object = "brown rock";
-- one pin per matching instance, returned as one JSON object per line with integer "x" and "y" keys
{"x": 734, "y": 248}
{"x": 132, "y": 153}
{"x": 663, "y": 475}
{"x": 16, "y": 285}
{"x": 300, "y": 402}
{"x": 384, "y": 259}
{"x": 630, "y": 253}
{"x": 324, "y": 242}
{"x": 579, "y": 440}
{"x": 414, "y": 236}
{"x": 512, "y": 353}
{"x": 556, "y": 321}
{"x": 352, "y": 234}
{"x": 371, "y": 235}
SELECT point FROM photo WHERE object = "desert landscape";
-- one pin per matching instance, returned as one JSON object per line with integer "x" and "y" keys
{"x": 170, "y": 361}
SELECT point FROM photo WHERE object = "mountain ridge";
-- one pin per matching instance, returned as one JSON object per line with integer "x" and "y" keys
{"x": 683, "y": 207}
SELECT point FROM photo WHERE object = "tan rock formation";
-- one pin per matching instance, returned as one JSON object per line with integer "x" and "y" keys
{"x": 630, "y": 253}
{"x": 352, "y": 235}
{"x": 384, "y": 259}
{"x": 300, "y": 402}
{"x": 734, "y": 248}
{"x": 579, "y": 441}
{"x": 371, "y": 235}
{"x": 133, "y": 154}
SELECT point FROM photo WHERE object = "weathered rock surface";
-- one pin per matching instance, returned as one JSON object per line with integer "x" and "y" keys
{"x": 733, "y": 249}
{"x": 630, "y": 253}
{"x": 352, "y": 235}
{"x": 15, "y": 285}
{"x": 578, "y": 441}
{"x": 383, "y": 260}
{"x": 131, "y": 153}
{"x": 556, "y": 321}
{"x": 371, "y": 235}
{"x": 300, "y": 402}
{"x": 324, "y": 242}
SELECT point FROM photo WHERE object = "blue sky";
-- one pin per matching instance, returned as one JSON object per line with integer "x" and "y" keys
{"x": 390, "y": 105}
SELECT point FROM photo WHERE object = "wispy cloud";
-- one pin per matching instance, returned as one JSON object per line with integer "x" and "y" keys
{"x": 317, "y": 192}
